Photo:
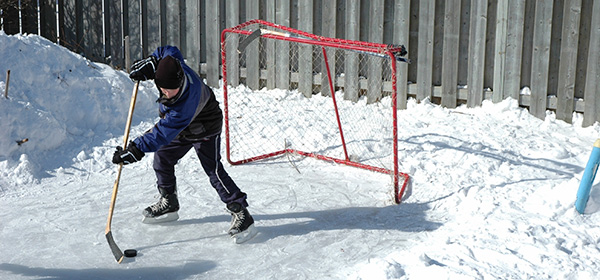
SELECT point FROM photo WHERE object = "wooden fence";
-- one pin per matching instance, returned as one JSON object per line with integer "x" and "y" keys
{"x": 463, "y": 51}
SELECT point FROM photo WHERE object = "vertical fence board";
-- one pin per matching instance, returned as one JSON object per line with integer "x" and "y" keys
{"x": 351, "y": 60}
{"x": 114, "y": 34}
{"x": 438, "y": 42}
{"x": 526, "y": 59}
{"x": 231, "y": 19}
{"x": 305, "y": 61}
{"x": 190, "y": 38}
{"x": 583, "y": 47}
{"x": 490, "y": 46}
{"x": 568, "y": 60}
{"x": 500, "y": 50}
{"x": 29, "y": 17}
{"x": 476, "y": 53}
{"x": 450, "y": 53}
{"x": 270, "y": 51}
{"x": 48, "y": 20}
{"x": 282, "y": 16}
{"x": 425, "y": 56}
{"x": 554, "y": 56}
{"x": 592, "y": 84}
{"x": 152, "y": 17}
{"x": 93, "y": 39}
{"x": 328, "y": 30}
{"x": 172, "y": 25}
{"x": 514, "y": 49}
{"x": 71, "y": 21}
{"x": 541, "y": 55}
{"x": 133, "y": 23}
{"x": 213, "y": 42}
{"x": 10, "y": 20}
{"x": 463, "y": 45}
{"x": 401, "y": 36}
{"x": 374, "y": 83}
{"x": 252, "y": 52}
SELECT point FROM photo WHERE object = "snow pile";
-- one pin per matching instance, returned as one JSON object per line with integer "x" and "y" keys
{"x": 491, "y": 197}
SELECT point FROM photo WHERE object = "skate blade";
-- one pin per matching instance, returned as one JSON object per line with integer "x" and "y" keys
{"x": 245, "y": 235}
{"x": 169, "y": 217}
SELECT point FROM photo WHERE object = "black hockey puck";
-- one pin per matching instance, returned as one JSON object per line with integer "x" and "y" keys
{"x": 130, "y": 253}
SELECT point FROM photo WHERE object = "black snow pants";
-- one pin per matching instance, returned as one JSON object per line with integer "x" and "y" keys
{"x": 209, "y": 152}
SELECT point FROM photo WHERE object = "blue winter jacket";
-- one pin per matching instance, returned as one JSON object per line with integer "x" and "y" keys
{"x": 192, "y": 114}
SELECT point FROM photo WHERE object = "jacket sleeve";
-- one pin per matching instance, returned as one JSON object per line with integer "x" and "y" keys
{"x": 175, "y": 120}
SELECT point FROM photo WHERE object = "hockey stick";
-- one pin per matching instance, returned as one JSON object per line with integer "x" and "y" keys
{"x": 244, "y": 43}
{"x": 111, "y": 241}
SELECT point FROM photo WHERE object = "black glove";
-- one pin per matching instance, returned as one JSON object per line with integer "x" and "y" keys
{"x": 127, "y": 156}
{"x": 143, "y": 69}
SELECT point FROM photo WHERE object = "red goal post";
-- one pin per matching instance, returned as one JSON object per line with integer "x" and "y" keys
{"x": 331, "y": 99}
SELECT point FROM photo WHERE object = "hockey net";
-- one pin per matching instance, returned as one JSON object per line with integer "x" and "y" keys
{"x": 300, "y": 117}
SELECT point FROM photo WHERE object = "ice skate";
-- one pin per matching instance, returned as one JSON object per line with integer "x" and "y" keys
{"x": 165, "y": 210}
{"x": 242, "y": 224}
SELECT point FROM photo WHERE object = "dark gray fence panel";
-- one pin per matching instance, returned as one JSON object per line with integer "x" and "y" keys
{"x": 500, "y": 44}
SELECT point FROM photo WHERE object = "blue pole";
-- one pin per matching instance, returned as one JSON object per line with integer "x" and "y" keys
{"x": 583, "y": 193}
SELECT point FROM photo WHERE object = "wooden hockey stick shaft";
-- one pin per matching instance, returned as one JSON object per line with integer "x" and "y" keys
{"x": 111, "y": 241}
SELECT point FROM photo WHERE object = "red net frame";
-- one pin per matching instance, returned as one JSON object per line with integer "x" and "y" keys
{"x": 320, "y": 45}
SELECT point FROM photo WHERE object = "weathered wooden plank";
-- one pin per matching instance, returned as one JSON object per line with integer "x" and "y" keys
{"x": 592, "y": 81}
{"x": 374, "y": 78}
{"x": 450, "y": 53}
{"x": 282, "y": 17}
{"x": 500, "y": 50}
{"x": 29, "y": 17}
{"x": 71, "y": 21}
{"x": 490, "y": 46}
{"x": 305, "y": 61}
{"x": 401, "y": 36}
{"x": 583, "y": 48}
{"x": 477, "y": 53}
{"x": 425, "y": 56}
{"x": 173, "y": 27}
{"x": 190, "y": 39}
{"x": 463, "y": 44}
{"x": 113, "y": 36}
{"x": 270, "y": 49}
{"x": 213, "y": 43}
{"x": 528, "y": 27}
{"x": 328, "y": 30}
{"x": 152, "y": 28}
{"x": 48, "y": 20}
{"x": 514, "y": 49}
{"x": 541, "y": 56}
{"x": 568, "y": 60}
{"x": 93, "y": 37}
{"x": 252, "y": 50}
{"x": 233, "y": 62}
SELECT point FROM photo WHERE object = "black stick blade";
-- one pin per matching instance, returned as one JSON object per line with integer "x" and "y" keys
{"x": 244, "y": 43}
{"x": 114, "y": 248}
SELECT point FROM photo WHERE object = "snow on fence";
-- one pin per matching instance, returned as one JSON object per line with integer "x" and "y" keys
{"x": 462, "y": 51}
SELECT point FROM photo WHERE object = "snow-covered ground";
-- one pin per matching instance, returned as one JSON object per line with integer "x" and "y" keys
{"x": 492, "y": 193}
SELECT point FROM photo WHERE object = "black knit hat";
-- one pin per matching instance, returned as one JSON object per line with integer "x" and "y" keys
{"x": 169, "y": 73}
